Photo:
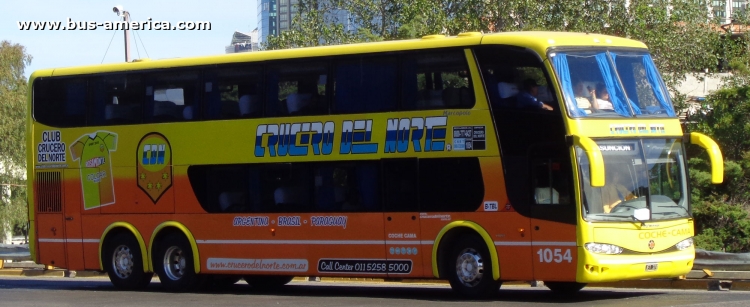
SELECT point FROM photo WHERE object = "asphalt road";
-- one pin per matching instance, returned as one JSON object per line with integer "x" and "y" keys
{"x": 56, "y": 291}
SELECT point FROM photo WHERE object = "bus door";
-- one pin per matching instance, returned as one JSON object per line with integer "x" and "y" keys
{"x": 401, "y": 217}
{"x": 349, "y": 219}
{"x": 72, "y": 215}
{"x": 553, "y": 215}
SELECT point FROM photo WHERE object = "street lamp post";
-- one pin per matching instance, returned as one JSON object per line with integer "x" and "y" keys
{"x": 126, "y": 28}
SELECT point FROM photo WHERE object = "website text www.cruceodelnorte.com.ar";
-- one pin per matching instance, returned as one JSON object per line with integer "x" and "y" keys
{"x": 113, "y": 25}
{"x": 279, "y": 265}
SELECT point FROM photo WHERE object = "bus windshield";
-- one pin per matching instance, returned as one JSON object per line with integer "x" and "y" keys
{"x": 645, "y": 175}
{"x": 600, "y": 83}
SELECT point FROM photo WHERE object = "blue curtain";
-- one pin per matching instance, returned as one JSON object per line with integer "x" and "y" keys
{"x": 655, "y": 80}
{"x": 563, "y": 73}
{"x": 615, "y": 92}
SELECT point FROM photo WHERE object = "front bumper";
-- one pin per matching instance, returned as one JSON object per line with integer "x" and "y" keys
{"x": 594, "y": 268}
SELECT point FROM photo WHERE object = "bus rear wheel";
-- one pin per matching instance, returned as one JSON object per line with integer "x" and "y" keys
{"x": 566, "y": 288}
{"x": 123, "y": 263}
{"x": 469, "y": 268}
{"x": 267, "y": 282}
{"x": 173, "y": 262}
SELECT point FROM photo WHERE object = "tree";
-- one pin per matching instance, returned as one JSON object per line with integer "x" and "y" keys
{"x": 674, "y": 30}
{"x": 13, "y": 87}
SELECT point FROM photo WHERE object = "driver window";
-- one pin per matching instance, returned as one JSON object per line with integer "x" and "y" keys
{"x": 551, "y": 186}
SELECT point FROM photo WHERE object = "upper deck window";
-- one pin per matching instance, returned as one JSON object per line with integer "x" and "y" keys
{"x": 611, "y": 84}
{"x": 60, "y": 102}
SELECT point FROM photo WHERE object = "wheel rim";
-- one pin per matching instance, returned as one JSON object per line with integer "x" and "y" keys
{"x": 174, "y": 263}
{"x": 122, "y": 262}
{"x": 469, "y": 267}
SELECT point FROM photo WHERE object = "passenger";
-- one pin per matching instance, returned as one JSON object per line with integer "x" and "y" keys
{"x": 585, "y": 97}
{"x": 527, "y": 97}
{"x": 603, "y": 100}
{"x": 614, "y": 192}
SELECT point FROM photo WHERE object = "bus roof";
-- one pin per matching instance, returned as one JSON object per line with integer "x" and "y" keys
{"x": 538, "y": 41}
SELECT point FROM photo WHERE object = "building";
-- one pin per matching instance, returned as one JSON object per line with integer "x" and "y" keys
{"x": 243, "y": 42}
{"x": 275, "y": 16}
{"x": 726, "y": 9}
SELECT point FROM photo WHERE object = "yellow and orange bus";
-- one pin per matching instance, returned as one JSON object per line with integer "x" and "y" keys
{"x": 476, "y": 158}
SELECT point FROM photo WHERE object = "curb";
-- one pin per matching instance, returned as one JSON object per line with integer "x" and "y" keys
{"x": 50, "y": 273}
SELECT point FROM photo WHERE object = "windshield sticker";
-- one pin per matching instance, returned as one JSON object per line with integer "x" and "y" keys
{"x": 469, "y": 138}
{"x": 631, "y": 129}
{"x": 52, "y": 148}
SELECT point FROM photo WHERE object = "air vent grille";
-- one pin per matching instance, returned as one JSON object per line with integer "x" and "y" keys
{"x": 48, "y": 192}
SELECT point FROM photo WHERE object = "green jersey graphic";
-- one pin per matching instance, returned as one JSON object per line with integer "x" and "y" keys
{"x": 93, "y": 151}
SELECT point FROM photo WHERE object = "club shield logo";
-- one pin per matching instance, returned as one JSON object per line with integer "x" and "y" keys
{"x": 154, "y": 160}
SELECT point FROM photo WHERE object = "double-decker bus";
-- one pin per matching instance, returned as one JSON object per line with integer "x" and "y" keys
{"x": 476, "y": 158}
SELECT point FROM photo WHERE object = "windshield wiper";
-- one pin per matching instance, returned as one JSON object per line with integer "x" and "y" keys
{"x": 629, "y": 216}
{"x": 636, "y": 219}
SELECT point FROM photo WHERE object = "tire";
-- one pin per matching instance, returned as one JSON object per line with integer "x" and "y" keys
{"x": 267, "y": 282}
{"x": 123, "y": 261}
{"x": 565, "y": 288}
{"x": 469, "y": 268}
{"x": 173, "y": 262}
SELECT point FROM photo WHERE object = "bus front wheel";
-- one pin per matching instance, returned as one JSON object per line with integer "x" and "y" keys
{"x": 469, "y": 268}
{"x": 124, "y": 264}
{"x": 173, "y": 262}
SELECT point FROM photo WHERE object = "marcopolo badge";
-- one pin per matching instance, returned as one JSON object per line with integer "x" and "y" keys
{"x": 154, "y": 160}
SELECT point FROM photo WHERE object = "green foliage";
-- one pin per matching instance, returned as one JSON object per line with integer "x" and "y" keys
{"x": 13, "y": 87}
{"x": 721, "y": 210}
{"x": 721, "y": 226}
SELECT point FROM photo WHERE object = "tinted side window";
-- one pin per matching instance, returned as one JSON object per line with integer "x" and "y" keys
{"x": 233, "y": 93}
{"x": 171, "y": 96}
{"x": 400, "y": 185}
{"x": 450, "y": 184}
{"x": 60, "y": 102}
{"x": 297, "y": 88}
{"x": 117, "y": 99}
{"x": 347, "y": 187}
{"x": 288, "y": 187}
{"x": 436, "y": 80}
{"x": 366, "y": 84}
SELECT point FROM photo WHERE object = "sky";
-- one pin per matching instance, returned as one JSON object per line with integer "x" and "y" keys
{"x": 64, "y": 48}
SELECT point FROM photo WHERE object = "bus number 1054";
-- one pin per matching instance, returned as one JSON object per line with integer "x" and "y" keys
{"x": 548, "y": 255}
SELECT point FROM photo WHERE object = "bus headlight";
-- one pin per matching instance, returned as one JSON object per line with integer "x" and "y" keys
{"x": 601, "y": 248}
{"x": 684, "y": 244}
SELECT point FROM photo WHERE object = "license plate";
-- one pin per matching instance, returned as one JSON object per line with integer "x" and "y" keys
{"x": 650, "y": 267}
